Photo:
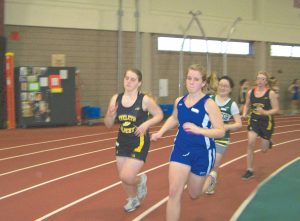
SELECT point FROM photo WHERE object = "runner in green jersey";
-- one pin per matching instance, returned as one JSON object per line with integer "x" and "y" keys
{"x": 229, "y": 110}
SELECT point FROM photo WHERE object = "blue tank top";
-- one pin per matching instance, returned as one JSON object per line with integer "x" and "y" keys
{"x": 295, "y": 93}
{"x": 197, "y": 115}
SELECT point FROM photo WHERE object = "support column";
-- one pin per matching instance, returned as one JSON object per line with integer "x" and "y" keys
{"x": 2, "y": 69}
{"x": 120, "y": 48}
{"x": 261, "y": 56}
{"x": 146, "y": 55}
{"x": 1, "y": 17}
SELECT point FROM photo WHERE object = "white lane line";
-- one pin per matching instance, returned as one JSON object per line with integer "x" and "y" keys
{"x": 242, "y": 207}
{"x": 79, "y": 155}
{"x": 92, "y": 194}
{"x": 57, "y": 140}
{"x": 91, "y": 168}
{"x": 155, "y": 206}
{"x": 97, "y": 134}
{"x": 151, "y": 209}
{"x": 95, "y": 167}
{"x": 147, "y": 211}
{"x": 54, "y": 161}
{"x": 65, "y": 158}
{"x": 53, "y": 141}
{"x": 66, "y": 176}
{"x": 57, "y": 148}
{"x": 73, "y": 145}
{"x": 56, "y": 179}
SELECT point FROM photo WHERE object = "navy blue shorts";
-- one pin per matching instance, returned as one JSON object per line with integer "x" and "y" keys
{"x": 200, "y": 159}
{"x": 136, "y": 148}
{"x": 295, "y": 96}
{"x": 262, "y": 126}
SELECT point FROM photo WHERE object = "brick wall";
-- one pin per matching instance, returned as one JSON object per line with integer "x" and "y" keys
{"x": 94, "y": 53}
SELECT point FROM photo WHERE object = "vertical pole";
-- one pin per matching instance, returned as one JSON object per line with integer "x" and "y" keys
{"x": 120, "y": 47}
{"x": 231, "y": 30}
{"x": 3, "y": 106}
{"x": 180, "y": 75}
{"x": 208, "y": 65}
{"x": 146, "y": 61}
{"x": 225, "y": 60}
{"x": 137, "y": 36}
{"x": 2, "y": 69}
{"x": 77, "y": 94}
{"x": 1, "y": 17}
{"x": 10, "y": 90}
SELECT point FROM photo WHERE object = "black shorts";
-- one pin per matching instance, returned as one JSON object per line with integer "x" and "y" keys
{"x": 262, "y": 125}
{"x": 136, "y": 147}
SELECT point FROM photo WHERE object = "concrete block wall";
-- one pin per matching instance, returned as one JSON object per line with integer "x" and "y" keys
{"x": 94, "y": 53}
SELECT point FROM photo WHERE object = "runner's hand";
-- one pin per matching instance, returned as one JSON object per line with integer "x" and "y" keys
{"x": 112, "y": 110}
{"x": 156, "y": 136}
{"x": 142, "y": 129}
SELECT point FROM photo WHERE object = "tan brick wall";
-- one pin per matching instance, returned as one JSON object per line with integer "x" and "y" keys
{"x": 94, "y": 53}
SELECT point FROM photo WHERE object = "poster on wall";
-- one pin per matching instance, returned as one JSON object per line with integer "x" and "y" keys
{"x": 46, "y": 96}
{"x": 33, "y": 96}
{"x": 55, "y": 83}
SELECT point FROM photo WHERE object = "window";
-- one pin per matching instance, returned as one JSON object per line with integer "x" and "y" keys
{"x": 285, "y": 50}
{"x": 200, "y": 45}
{"x": 169, "y": 44}
{"x": 237, "y": 47}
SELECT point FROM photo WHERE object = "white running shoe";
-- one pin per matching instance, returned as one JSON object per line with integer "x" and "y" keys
{"x": 142, "y": 187}
{"x": 132, "y": 204}
{"x": 213, "y": 182}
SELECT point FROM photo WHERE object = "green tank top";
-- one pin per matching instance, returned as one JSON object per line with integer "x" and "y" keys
{"x": 226, "y": 116}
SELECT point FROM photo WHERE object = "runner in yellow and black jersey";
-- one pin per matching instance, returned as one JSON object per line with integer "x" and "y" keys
{"x": 131, "y": 109}
{"x": 263, "y": 125}
{"x": 263, "y": 104}
{"x": 130, "y": 118}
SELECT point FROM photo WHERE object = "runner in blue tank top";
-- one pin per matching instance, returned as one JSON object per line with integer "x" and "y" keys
{"x": 199, "y": 121}
{"x": 295, "y": 98}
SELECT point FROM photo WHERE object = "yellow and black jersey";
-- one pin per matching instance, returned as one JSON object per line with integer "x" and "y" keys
{"x": 130, "y": 117}
{"x": 263, "y": 125}
{"x": 263, "y": 102}
{"x": 128, "y": 144}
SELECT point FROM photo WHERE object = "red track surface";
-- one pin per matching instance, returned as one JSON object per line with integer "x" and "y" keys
{"x": 69, "y": 173}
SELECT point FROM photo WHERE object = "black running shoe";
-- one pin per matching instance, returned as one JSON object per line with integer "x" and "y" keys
{"x": 270, "y": 144}
{"x": 249, "y": 174}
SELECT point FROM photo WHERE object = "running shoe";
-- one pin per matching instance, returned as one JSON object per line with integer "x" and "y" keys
{"x": 249, "y": 174}
{"x": 142, "y": 187}
{"x": 212, "y": 184}
{"x": 132, "y": 204}
{"x": 270, "y": 144}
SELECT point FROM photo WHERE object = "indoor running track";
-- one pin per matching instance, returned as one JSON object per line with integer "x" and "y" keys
{"x": 69, "y": 174}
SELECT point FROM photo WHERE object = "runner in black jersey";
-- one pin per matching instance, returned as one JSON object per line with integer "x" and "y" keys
{"x": 132, "y": 109}
{"x": 263, "y": 104}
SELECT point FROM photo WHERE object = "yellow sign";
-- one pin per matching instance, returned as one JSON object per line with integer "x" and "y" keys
{"x": 58, "y": 60}
{"x": 56, "y": 90}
